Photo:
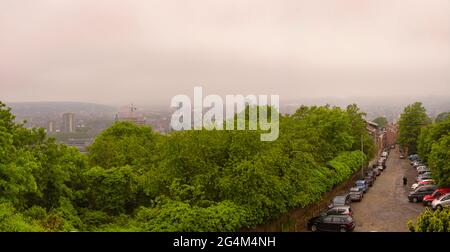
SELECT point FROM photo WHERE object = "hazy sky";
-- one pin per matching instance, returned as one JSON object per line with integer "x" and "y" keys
{"x": 147, "y": 51}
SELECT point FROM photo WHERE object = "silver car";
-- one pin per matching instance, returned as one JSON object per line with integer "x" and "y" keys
{"x": 443, "y": 201}
{"x": 355, "y": 194}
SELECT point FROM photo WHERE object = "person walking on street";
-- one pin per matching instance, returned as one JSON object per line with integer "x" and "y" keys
{"x": 405, "y": 180}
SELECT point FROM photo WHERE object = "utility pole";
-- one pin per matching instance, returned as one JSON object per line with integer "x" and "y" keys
{"x": 362, "y": 150}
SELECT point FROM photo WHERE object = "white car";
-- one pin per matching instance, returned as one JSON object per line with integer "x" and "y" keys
{"x": 423, "y": 182}
{"x": 443, "y": 201}
{"x": 422, "y": 167}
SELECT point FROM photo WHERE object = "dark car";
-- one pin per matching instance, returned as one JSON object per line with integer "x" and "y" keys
{"x": 376, "y": 171}
{"x": 369, "y": 180}
{"x": 418, "y": 194}
{"x": 332, "y": 223}
{"x": 340, "y": 201}
{"x": 339, "y": 210}
{"x": 372, "y": 174}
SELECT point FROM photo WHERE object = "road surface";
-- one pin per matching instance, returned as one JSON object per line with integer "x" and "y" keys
{"x": 385, "y": 207}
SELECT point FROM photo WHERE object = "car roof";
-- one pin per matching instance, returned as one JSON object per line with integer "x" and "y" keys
{"x": 340, "y": 207}
{"x": 444, "y": 195}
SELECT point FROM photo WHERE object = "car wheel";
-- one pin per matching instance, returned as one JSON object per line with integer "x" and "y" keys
{"x": 343, "y": 230}
{"x": 415, "y": 200}
{"x": 439, "y": 207}
{"x": 314, "y": 228}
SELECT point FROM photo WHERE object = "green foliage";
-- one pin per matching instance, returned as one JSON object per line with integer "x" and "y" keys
{"x": 13, "y": 221}
{"x": 428, "y": 221}
{"x": 441, "y": 117}
{"x": 381, "y": 121}
{"x": 122, "y": 144}
{"x": 434, "y": 148}
{"x": 134, "y": 179}
{"x": 439, "y": 161}
{"x": 411, "y": 121}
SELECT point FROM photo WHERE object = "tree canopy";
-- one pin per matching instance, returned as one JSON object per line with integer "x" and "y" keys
{"x": 381, "y": 121}
{"x": 411, "y": 121}
{"x": 134, "y": 179}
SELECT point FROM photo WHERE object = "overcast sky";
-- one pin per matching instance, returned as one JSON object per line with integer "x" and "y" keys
{"x": 118, "y": 52}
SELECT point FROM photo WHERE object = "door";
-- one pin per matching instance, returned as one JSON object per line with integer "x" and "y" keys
{"x": 326, "y": 224}
{"x": 445, "y": 201}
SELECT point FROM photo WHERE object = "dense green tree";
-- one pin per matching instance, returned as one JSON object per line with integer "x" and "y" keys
{"x": 124, "y": 143}
{"x": 439, "y": 161}
{"x": 428, "y": 221}
{"x": 136, "y": 180}
{"x": 411, "y": 121}
{"x": 430, "y": 135}
{"x": 381, "y": 121}
{"x": 441, "y": 117}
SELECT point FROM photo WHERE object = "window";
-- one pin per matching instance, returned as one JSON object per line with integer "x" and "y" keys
{"x": 327, "y": 219}
{"x": 332, "y": 211}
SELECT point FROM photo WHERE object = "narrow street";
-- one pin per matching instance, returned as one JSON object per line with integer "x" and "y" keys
{"x": 385, "y": 206}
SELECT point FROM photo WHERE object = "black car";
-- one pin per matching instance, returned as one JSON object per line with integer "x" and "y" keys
{"x": 418, "y": 194}
{"x": 371, "y": 174}
{"x": 376, "y": 171}
{"x": 369, "y": 180}
{"x": 340, "y": 201}
{"x": 332, "y": 223}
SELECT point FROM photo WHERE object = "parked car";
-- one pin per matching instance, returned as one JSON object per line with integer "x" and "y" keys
{"x": 339, "y": 210}
{"x": 340, "y": 201}
{"x": 356, "y": 194}
{"x": 422, "y": 170}
{"x": 428, "y": 199}
{"x": 380, "y": 167}
{"x": 422, "y": 183}
{"x": 418, "y": 194}
{"x": 426, "y": 175}
{"x": 369, "y": 180}
{"x": 443, "y": 201}
{"x": 422, "y": 167}
{"x": 413, "y": 157}
{"x": 332, "y": 223}
{"x": 372, "y": 174}
{"x": 384, "y": 154}
{"x": 362, "y": 185}
{"x": 377, "y": 171}
{"x": 416, "y": 164}
{"x": 402, "y": 156}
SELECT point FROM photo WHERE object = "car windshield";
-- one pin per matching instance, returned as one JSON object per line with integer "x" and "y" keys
{"x": 360, "y": 183}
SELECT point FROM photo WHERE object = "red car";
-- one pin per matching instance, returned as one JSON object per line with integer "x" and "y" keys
{"x": 427, "y": 199}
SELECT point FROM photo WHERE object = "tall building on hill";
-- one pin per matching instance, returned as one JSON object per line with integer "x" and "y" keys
{"x": 51, "y": 126}
{"x": 68, "y": 125}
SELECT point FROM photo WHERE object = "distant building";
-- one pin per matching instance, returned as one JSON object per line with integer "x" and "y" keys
{"x": 51, "y": 127}
{"x": 131, "y": 116}
{"x": 68, "y": 125}
{"x": 80, "y": 144}
{"x": 379, "y": 135}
